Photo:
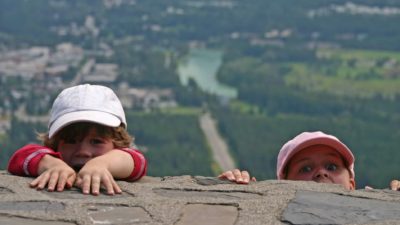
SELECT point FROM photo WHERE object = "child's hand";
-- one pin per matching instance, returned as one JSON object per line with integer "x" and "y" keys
{"x": 395, "y": 185}
{"x": 53, "y": 173}
{"x": 95, "y": 174}
{"x": 240, "y": 177}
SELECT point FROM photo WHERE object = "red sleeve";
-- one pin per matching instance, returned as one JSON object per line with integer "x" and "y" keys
{"x": 25, "y": 161}
{"x": 140, "y": 164}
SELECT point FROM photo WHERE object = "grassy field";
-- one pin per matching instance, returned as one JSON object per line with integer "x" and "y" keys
{"x": 181, "y": 110}
{"x": 353, "y": 73}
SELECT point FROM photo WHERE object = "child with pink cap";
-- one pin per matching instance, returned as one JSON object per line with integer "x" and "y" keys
{"x": 310, "y": 156}
{"x": 87, "y": 145}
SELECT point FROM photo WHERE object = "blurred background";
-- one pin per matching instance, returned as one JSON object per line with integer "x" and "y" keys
{"x": 258, "y": 72}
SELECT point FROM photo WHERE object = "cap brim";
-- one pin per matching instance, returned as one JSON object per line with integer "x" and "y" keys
{"x": 98, "y": 117}
{"x": 343, "y": 150}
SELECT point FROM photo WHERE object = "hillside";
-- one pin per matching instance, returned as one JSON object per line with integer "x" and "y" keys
{"x": 328, "y": 65}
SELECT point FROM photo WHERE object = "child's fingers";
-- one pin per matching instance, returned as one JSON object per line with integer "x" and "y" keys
{"x": 43, "y": 180}
{"x": 238, "y": 175}
{"x": 62, "y": 181}
{"x": 35, "y": 182}
{"x": 115, "y": 186}
{"x": 395, "y": 185}
{"x": 117, "y": 189}
{"x": 253, "y": 179}
{"x": 86, "y": 181}
{"x": 227, "y": 175}
{"x": 108, "y": 184}
{"x": 78, "y": 182}
{"x": 52, "y": 181}
{"x": 245, "y": 177}
{"x": 70, "y": 180}
{"x": 95, "y": 185}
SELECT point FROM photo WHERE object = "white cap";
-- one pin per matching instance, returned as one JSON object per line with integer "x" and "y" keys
{"x": 86, "y": 103}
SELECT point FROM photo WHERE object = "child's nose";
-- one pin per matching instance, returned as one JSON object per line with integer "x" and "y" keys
{"x": 321, "y": 173}
{"x": 82, "y": 150}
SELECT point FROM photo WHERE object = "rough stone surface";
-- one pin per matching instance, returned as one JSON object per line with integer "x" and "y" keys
{"x": 200, "y": 214}
{"x": 328, "y": 208}
{"x": 198, "y": 200}
{"x": 115, "y": 214}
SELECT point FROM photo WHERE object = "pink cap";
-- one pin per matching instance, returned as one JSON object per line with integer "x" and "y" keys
{"x": 307, "y": 139}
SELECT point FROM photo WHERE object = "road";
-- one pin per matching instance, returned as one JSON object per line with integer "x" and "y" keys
{"x": 217, "y": 143}
{"x": 85, "y": 70}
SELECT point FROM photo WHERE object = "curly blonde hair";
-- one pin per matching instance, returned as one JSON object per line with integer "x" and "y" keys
{"x": 77, "y": 131}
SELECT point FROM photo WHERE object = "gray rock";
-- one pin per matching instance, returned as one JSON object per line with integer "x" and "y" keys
{"x": 191, "y": 200}
{"x": 327, "y": 208}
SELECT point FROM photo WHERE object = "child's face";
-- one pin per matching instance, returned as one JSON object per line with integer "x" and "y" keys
{"x": 76, "y": 153}
{"x": 321, "y": 164}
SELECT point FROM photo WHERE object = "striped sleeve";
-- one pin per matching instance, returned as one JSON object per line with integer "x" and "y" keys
{"x": 25, "y": 161}
{"x": 140, "y": 164}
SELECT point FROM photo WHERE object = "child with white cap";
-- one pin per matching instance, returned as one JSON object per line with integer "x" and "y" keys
{"x": 310, "y": 156}
{"x": 87, "y": 145}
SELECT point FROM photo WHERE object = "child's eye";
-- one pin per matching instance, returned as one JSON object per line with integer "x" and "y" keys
{"x": 305, "y": 169}
{"x": 96, "y": 141}
{"x": 331, "y": 167}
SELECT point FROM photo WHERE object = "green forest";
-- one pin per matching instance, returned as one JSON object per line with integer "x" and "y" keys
{"x": 342, "y": 95}
{"x": 328, "y": 65}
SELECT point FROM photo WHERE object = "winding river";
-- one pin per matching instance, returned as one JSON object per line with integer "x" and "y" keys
{"x": 202, "y": 65}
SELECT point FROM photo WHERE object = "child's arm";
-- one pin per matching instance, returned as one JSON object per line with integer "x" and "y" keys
{"x": 25, "y": 161}
{"x": 36, "y": 160}
{"x": 140, "y": 164}
{"x": 127, "y": 164}
{"x": 240, "y": 177}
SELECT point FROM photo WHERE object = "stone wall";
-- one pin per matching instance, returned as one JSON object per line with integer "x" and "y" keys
{"x": 198, "y": 200}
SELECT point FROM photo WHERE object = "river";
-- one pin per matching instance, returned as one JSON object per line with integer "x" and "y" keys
{"x": 202, "y": 65}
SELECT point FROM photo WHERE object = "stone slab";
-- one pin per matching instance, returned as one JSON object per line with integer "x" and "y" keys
{"x": 327, "y": 208}
{"x": 32, "y": 206}
{"x": 4, "y": 191}
{"x": 13, "y": 220}
{"x": 114, "y": 214}
{"x": 180, "y": 193}
{"x": 75, "y": 193}
{"x": 200, "y": 214}
{"x": 210, "y": 181}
